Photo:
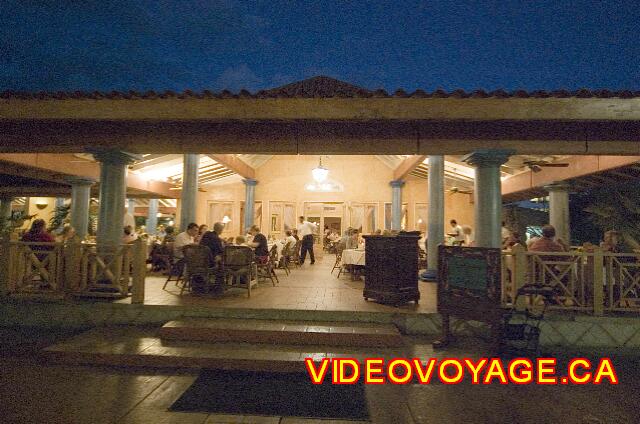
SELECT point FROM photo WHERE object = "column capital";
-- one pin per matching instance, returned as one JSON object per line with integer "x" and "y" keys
{"x": 396, "y": 183}
{"x": 250, "y": 182}
{"x": 488, "y": 157}
{"x": 79, "y": 181}
{"x": 115, "y": 156}
{"x": 557, "y": 186}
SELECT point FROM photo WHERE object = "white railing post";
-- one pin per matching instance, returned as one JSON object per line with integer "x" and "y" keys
{"x": 519, "y": 271}
{"x": 72, "y": 259}
{"x": 5, "y": 265}
{"x": 598, "y": 281}
{"x": 139, "y": 271}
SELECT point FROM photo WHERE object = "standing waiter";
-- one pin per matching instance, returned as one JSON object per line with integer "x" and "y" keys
{"x": 306, "y": 230}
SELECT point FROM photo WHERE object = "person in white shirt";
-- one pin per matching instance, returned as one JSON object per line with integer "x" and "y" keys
{"x": 505, "y": 232}
{"x": 290, "y": 239}
{"x": 305, "y": 232}
{"x": 456, "y": 232}
{"x": 183, "y": 239}
{"x": 468, "y": 236}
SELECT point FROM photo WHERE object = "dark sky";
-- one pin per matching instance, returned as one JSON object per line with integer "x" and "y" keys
{"x": 208, "y": 44}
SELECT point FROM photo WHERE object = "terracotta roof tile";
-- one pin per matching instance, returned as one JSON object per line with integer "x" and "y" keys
{"x": 319, "y": 87}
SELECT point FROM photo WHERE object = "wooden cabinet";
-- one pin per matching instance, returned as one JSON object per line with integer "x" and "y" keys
{"x": 391, "y": 271}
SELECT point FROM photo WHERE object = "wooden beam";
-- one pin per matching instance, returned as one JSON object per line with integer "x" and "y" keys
{"x": 579, "y": 166}
{"x": 236, "y": 165}
{"x": 300, "y": 136}
{"x": 408, "y": 165}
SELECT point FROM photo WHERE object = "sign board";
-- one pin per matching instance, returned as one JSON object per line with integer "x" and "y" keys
{"x": 469, "y": 284}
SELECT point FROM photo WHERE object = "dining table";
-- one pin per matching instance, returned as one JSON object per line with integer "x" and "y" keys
{"x": 354, "y": 260}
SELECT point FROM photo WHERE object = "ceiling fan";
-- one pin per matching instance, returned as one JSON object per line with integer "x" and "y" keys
{"x": 82, "y": 158}
{"x": 454, "y": 190}
{"x": 537, "y": 165}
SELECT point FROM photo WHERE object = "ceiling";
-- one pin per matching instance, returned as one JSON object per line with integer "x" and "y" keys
{"x": 457, "y": 173}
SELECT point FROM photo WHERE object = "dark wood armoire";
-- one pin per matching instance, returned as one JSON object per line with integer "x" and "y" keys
{"x": 391, "y": 270}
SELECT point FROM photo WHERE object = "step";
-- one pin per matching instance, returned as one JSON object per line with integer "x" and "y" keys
{"x": 136, "y": 347}
{"x": 350, "y": 334}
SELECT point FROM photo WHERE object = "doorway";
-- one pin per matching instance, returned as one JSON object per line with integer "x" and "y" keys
{"x": 324, "y": 214}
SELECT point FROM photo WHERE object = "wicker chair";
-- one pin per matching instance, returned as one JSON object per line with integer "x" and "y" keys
{"x": 266, "y": 269}
{"x": 283, "y": 263}
{"x": 240, "y": 267}
{"x": 176, "y": 267}
{"x": 294, "y": 253}
{"x": 422, "y": 259}
{"x": 198, "y": 270}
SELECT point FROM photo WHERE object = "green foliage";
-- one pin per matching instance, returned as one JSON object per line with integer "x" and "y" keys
{"x": 15, "y": 221}
{"x": 59, "y": 217}
{"x": 618, "y": 209}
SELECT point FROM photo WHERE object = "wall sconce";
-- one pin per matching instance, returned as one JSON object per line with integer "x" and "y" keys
{"x": 41, "y": 204}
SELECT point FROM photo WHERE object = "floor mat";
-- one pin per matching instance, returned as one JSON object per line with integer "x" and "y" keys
{"x": 275, "y": 394}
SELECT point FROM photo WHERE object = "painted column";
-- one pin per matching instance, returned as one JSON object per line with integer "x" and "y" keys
{"x": 249, "y": 203}
{"x": 113, "y": 176}
{"x": 189, "y": 190}
{"x": 396, "y": 204}
{"x": 80, "y": 200}
{"x": 559, "y": 210}
{"x": 152, "y": 217}
{"x": 488, "y": 195}
{"x": 131, "y": 207}
{"x": 5, "y": 207}
{"x": 435, "y": 220}
{"x": 59, "y": 202}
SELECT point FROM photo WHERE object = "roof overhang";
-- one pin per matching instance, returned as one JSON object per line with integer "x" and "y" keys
{"x": 414, "y": 126}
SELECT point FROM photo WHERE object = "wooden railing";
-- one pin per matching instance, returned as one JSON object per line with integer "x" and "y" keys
{"x": 72, "y": 269}
{"x": 590, "y": 280}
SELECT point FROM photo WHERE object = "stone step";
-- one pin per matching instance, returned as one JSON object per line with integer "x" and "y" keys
{"x": 136, "y": 347}
{"x": 277, "y": 332}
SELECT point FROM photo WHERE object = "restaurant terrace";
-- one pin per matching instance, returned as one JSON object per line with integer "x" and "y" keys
{"x": 339, "y": 156}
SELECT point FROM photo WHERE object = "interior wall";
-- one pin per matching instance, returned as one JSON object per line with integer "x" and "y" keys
{"x": 365, "y": 180}
{"x": 45, "y": 213}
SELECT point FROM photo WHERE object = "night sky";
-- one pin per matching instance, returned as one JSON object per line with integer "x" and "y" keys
{"x": 158, "y": 45}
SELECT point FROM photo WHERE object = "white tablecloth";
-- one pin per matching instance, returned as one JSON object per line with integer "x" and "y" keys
{"x": 353, "y": 257}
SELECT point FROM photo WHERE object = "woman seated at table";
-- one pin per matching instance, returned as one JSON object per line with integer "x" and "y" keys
{"x": 67, "y": 233}
{"x": 290, "y": 239}
{"x": 259, "y": 243}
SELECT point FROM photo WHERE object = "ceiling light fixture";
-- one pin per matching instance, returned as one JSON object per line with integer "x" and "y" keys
{"x": 320, "y": 173}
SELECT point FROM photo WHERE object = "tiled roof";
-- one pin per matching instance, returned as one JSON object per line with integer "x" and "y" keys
{"x": 319, "y": 87}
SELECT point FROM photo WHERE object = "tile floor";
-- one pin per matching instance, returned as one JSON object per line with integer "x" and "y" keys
{"x": 33, "y": 392}
{"x": 310, "y": 287}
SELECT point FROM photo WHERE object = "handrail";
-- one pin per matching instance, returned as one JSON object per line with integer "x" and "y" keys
{"x": 72, "y": 268}
{"x": 591, "y": 280}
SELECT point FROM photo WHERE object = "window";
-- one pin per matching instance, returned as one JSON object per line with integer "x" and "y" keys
{"x": 364, "y": 216}
{"x": 421, "y": 217}
{"x": 387, "y": 216}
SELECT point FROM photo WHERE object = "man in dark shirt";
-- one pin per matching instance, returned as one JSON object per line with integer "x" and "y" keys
{"x": 259, "y": 243}
{"x": 212, "y": 240}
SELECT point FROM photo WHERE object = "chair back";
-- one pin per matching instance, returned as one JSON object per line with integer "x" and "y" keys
{"x": 197, "y": 258}
{"x": 238, "y": 256}
{"x": 273, "y": 254}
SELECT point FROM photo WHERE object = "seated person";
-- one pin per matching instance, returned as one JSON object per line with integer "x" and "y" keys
{"x": 240, "y": 241}
{"x": 38, "y": 234}
{"x": 169, "y": 236}
{"x": 546, "y": 243}
{"x": 259, "y": 243}
{"x": 212, "y": 240}
{"x": 183, "y": 239}
{"x": 129, "y": 235}
{"x": 290, "y": 239}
